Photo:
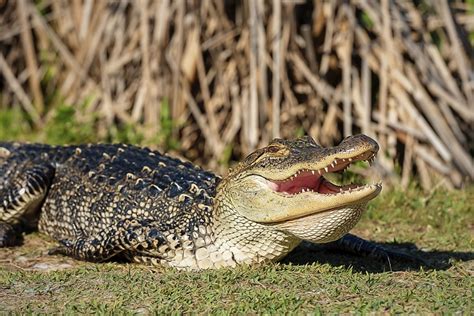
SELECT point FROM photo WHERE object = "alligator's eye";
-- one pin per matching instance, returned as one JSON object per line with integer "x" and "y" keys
{"x": 273, "y": 149}
{"x": 276, "y": 151}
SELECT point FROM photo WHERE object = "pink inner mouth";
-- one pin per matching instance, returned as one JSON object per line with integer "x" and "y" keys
{"x": 306, "y": 181}
{"x": 313, "y": 181}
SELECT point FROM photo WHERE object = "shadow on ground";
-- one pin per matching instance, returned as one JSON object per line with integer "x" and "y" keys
{"x": 426, "y": 259}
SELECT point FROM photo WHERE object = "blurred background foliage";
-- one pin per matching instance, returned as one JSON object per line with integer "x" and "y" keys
{"x": 213, "y": 80}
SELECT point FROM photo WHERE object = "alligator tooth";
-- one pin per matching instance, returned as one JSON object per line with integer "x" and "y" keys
{"x": 319, "y": 171}
{"x": 350, "y": 159}
{"x": 332, "y": 165}
{"x": 312, "y": 171}
{"x": 371, "y": 161}
{"x": 335, "y": 162}
{"x": 326, "y": 169}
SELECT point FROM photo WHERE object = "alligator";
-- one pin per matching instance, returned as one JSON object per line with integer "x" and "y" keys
{"x": 102, "y": 201}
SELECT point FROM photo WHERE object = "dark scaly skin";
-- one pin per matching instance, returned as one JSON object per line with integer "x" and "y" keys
{"x": 102, "y": 200}
{"x": 97, "y": 186}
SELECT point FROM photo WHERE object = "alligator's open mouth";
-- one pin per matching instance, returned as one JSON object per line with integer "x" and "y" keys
{"x": 307, "y": 180}
{"x": 293, "y": 182}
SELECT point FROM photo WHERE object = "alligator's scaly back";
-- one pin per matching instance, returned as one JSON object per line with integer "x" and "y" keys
{"x": 100, "y": 201}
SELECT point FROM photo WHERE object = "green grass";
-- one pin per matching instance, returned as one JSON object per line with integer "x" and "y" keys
{"x": 437, "y": 227}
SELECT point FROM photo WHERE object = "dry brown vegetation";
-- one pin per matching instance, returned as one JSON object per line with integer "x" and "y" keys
{"x": 234, "y": 74}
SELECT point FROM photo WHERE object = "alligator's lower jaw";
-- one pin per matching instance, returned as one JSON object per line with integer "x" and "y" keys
{"x": 326, "y": 226}
{"x": 328, "y": 211}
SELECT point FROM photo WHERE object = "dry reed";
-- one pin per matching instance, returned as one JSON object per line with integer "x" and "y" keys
{"x": 240, "y": 73}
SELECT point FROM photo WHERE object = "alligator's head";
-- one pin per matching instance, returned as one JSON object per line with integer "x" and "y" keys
{"x": 283, "y": 187}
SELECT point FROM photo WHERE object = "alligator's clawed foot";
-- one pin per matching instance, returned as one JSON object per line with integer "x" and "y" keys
{"x": 361, "y": 247}
{"x": 394, "y": 256}
{"x": 64, "y": 248}
{"x": 9, "y": 236}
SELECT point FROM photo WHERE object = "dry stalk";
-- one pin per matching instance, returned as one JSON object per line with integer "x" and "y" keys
{"x": 344, "y": 68}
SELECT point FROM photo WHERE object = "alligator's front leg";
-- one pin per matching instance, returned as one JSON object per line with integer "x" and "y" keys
{"x": 359, "y": 246}
{"x": 20, "y": 200}
{"x": 130, "y": 235}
